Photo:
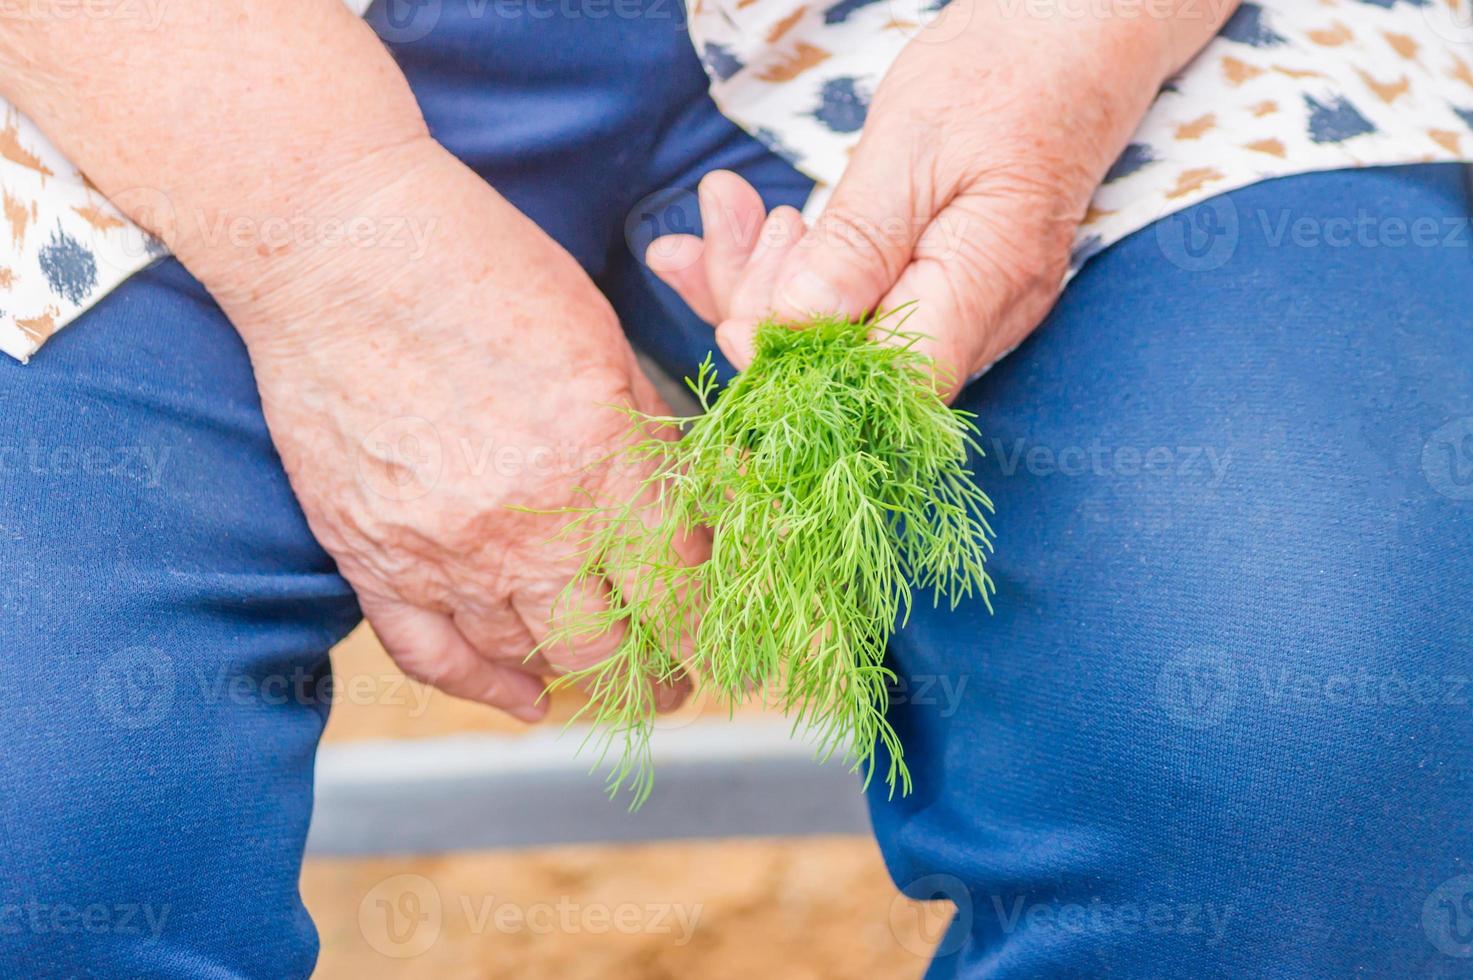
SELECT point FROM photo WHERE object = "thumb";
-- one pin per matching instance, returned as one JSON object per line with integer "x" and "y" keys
{"x": 857, "y": 249}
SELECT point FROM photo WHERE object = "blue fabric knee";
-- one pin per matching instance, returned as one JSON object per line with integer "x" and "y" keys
{"x": 1220, "y": 722}
{"x": 166, "y": 612}
{"x": 166, "y": 617}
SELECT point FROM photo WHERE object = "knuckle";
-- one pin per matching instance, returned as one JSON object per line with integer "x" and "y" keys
{"x": 865, "y": 245}
{"x": 463, "y": 678}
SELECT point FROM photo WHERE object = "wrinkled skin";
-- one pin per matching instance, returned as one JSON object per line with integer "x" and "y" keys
{"x": 982, "y": 148}
{"x": 420, "y": 403}
{"x": 397, "y": 384}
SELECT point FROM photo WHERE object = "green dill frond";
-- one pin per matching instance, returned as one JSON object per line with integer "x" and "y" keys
{"x": 834, "y": 482}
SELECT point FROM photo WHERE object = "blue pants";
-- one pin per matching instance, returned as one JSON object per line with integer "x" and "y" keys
{"x": 1219, "y": 723}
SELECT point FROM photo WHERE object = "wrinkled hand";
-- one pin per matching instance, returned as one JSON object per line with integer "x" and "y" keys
{"x": 418, "y": 396}
{"x": 982, "y": 148}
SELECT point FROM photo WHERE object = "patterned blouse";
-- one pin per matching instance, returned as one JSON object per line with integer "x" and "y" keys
{"x": 1288, "y": 86}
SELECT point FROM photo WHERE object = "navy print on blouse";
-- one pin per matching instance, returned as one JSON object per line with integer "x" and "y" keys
{"x": 814, "y": 70}
{"x": 1336, "y": 122}
{"x": 70, "y": 269}
{"x": 1136, "y": 156}
{"x": 842, "y": 107}
{"x": 719, "y": 60}
{"x": 1247, "y": 26}
{"x": 840, "y": 11}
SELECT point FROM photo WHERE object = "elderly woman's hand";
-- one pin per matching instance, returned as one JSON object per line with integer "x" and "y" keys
{"x": 982, "y": 148}
{"x": 424, "y": 397}
{"x": 428, "y": 359}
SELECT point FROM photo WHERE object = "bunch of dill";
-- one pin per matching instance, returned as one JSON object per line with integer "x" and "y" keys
{"x": 834, "y": 482}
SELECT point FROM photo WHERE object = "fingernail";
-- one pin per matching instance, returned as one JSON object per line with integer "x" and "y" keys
{"x": 808, "y": 293}
{"x": 533, "y": 712}
{"x": 668, "y": 697}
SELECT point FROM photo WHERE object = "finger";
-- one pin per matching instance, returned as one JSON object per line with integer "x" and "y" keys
{"x": 738, "y": 341}
{"x": 934, "y": 324}
{"x": 584, "y": 614}
{"x": 860, "y": 244}
{"x": 678, "y": 261}
{"x": 977, "y": 295}
{"x": 672, "y": 693}
{"x": 691, "y": 548}
{"x": 590, "y": 603}
{"x": 500, "y": 636}
{"x": 680, "y": 549}
{"x": 632, "y": 482}
{"x": 753, "y": 298}
{"x": 683, "y": 549}
{"x": 427, "y": 646}
{"x": 731, "y": 217}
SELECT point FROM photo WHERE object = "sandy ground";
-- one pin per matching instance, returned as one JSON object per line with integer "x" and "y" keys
{"x": 792, "y": 909}
{"x": 815, "y": 909}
